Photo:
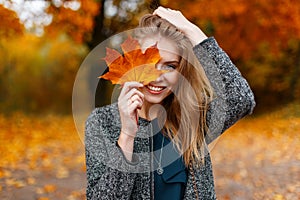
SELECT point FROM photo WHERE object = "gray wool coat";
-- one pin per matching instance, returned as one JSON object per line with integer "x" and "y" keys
{"x": 111, "y": 176}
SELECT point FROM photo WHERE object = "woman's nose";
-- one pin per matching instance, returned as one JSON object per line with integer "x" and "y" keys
{"x": 160, "y": 78}
{"x": 158, "y": 66}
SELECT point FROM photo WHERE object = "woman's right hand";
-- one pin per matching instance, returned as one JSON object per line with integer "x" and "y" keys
{"x": 130, "y": 99}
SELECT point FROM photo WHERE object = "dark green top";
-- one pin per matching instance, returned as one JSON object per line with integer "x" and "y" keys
{"x": 172, "y": 182}
{"x": 111, "y": 176}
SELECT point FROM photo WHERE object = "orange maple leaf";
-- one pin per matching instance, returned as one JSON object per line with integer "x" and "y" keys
{"x": 134, "y": 65}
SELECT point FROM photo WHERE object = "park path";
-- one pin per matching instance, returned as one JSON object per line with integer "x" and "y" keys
{"x": 43, "y": 159}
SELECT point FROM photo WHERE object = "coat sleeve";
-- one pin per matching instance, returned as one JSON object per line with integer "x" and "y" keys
{"x": 109, "y": 174}
{"x": 233, "y": 96}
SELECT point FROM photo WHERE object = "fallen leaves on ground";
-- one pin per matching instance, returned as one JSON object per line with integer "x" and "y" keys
{"x": 42, "y": 158}
{"x": 259, "y": 158}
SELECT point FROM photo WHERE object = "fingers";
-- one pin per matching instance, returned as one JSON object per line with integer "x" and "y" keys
{"x": 161, "y": 9}
{"x": 130, "y": 97}
{"x": 129, "y": 85}
{"x": 135, "y": 98}
{"x": 135, "y": 105}
{"x": 134, "y": 92}
{"x": 175, "y": 17}
{"x": 166, "y": 12}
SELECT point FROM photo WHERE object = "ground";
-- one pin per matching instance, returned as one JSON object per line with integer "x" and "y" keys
{"x": 43, "y": 158}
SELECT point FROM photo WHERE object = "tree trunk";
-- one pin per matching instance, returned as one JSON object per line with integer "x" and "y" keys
{"x": 154, "y": 4}
{"x": 98, "y": 34}
{"x": 295, "y": 76}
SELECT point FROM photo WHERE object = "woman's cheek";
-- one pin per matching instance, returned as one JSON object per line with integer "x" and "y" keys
{"x": 172, "y": 77}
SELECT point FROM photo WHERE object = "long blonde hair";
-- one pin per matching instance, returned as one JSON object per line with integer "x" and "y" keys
{"x": 186, "y": 109}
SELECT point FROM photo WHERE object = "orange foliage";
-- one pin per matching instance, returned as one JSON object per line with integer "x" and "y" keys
{"x": 258, "y": 158}
{"x": 241, "y": 26}
{"x": 134, "y": 66}
{"x": 46, "y": 62}
{"x": 76, "y": 23}
{"x": 43, "y": 152}
{"x": 11, "y": 25}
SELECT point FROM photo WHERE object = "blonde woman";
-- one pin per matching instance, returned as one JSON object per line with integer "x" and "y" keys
{"x": 152, "y": 143}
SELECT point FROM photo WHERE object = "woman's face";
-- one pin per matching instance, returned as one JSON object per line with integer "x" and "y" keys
{"x": 155, "y": 92}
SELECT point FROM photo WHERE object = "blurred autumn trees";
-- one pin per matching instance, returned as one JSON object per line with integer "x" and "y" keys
{"x": 37, "y": 72}
{"x": 261, "y": 36}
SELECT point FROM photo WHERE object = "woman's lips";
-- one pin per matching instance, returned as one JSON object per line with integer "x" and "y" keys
{"x": 155, "y": 89}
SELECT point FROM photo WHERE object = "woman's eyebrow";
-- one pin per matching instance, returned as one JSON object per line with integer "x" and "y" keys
{"x": 172, "y": 62}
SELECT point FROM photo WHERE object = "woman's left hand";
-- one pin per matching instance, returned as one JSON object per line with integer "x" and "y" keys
{"x": 175, "y": 17}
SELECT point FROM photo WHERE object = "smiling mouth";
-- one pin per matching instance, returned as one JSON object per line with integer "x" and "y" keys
{"x": 155, "y": 89}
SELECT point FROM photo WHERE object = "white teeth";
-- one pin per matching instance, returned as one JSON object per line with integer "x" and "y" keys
{"x": 155, "y": 88}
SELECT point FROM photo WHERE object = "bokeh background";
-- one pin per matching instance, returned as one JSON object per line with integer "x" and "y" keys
{"x": 43, "y": 43}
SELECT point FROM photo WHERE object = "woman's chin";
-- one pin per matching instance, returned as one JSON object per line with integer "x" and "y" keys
{"x": 152, "y": 100}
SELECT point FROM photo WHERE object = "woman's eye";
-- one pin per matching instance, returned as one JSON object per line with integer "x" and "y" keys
{"x": 169, "y": 67}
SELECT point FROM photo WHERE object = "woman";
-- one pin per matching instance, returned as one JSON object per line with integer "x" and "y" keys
{"x": 152, "y": 144}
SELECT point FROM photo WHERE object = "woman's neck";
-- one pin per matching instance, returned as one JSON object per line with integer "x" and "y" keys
{"x": 149, "y": 111}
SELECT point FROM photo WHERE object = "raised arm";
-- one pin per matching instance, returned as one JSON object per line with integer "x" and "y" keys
{"x": 234, "y": 98}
